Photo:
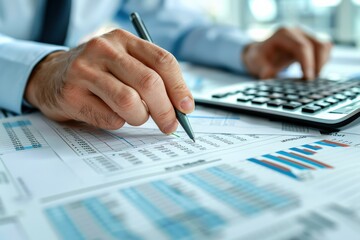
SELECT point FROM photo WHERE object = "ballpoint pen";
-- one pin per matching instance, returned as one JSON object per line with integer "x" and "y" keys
{"x": 144, "y": 34}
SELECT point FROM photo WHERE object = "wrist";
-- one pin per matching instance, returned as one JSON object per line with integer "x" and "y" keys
{"x": 39, "y": 74}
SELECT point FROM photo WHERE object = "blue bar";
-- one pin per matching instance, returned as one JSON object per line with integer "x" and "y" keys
{"x": 287, "y": 173}
{"x": 301, "y": 151}
{"x": 301, "y": 159}
{"x": 285, "y": 162}
{"x": 106, "y": 220}
{"x": 257, "y": 193}
{"x": 311, "y": 147}
{"x": 28, "y": 147}
{"x": 63, "y": 224}
{"x": 207, "y": 219}
{"x": 327, "y": 144}
{"x": 242, "y": 206}
{"x": 17, "y": 124}
{"x": 175, "y": 229}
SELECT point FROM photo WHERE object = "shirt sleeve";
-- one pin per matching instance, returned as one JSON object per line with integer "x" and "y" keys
{"x": 17, "y": 60}
{"x": 184, "y": 30}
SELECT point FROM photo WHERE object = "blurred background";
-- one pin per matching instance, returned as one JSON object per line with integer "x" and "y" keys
{"x": 335, "y": 19}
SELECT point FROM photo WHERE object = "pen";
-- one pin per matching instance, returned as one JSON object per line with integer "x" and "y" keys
{"x": 144, "y": 34}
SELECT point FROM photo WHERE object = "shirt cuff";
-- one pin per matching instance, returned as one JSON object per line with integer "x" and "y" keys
{"x": 17, "y": 60}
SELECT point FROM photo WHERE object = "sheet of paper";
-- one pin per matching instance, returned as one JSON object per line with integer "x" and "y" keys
{"x": 72, "y": 181}
{"x": 355, "y": 129}
{"x": 208, "y": 120}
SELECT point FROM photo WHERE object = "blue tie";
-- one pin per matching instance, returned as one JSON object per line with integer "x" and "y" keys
{"x": 55, "y": 22}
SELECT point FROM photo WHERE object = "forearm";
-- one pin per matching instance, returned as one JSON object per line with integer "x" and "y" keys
{"x": 188, "y": 34}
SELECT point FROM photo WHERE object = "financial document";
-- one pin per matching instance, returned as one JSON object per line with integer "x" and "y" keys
{"x": 355, "y": 129}
{"x": 208, "y": 120}
{"x": 73, "y": 181}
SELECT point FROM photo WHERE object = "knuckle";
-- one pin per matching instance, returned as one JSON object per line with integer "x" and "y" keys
{"x": 140, "y": 120}
{"x": 100, "y": 45}
{"x": 112, "y": 121}
{"x": 121, "y": 59}
{"x": 80, "y": 69}
{"x": 320, "y": 46}
{"x": 122, "y": 36}
{"x": 126, "y": 100}
{"x": 180, "y": 87}
{"x": 166, "y": 116}
{"x": 149, "y": 81}
{"x": 164, "y": 59}
{"x": 283, "y": 30}
{"x": 78, "y": 64}
{"x": 119, "y": 32}
{"x": 96, "y": 42}
{"x": 303, "y": 46}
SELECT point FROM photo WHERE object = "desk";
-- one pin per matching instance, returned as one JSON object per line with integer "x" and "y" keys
{"x": 71, "y": 181}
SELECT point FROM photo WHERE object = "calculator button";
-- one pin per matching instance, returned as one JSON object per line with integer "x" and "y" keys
{"x": 291, "y": 105}
{"x": 276, "y": 103}
{"x": 311, "y": 109}
{"x": 260, "y": 100}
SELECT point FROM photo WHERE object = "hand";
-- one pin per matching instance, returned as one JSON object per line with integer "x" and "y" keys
{"x": 110, "y": 80}
{"x": 288, "y": 45}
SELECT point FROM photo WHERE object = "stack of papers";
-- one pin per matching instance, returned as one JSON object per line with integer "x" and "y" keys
{"x": 244, "y": 178}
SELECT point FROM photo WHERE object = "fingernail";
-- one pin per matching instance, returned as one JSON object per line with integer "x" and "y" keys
{"x": 187, "y": 104}
{"x": 171, "y": 127}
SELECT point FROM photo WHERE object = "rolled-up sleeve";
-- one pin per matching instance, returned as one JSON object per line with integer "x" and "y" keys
{"x": 185, "y": 31}
{"x": 17, "y": 60}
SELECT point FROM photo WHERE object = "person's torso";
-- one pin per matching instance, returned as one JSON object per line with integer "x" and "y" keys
{"x": 22, "y": 19}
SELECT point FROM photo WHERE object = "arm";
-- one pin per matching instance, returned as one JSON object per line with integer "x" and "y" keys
{"x": 187, "y": 33}
{"x": 17, "y": 60}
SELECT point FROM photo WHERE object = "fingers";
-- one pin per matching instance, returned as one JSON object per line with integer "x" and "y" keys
{"x": 311, "y": 53}
{"x": 118, "y": 77}
{"x": 122, "y": 99}
{"x": 268, "y": 71}
{"x": 150, "y": 87}
{"x": 299, "y": 47}
{"x": 92, "y": 110}
{"x": 321, "y": 52}
{"x": 168, "y": 69}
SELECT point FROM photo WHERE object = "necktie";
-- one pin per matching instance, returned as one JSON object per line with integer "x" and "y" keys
{"x": 55, "y": 22}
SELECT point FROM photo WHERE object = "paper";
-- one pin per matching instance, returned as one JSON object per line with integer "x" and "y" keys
{"x": 208, "y": 120}
{"x": 72, "y": 181}
{"x": 353, "y": 129}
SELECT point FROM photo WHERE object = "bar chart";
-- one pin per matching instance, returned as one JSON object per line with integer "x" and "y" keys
{"x": 194, "y": 205}
{"x": 296, "y": 160}
{"x": 91, "y": 218}
{"x": 234, "y": 188}
{"x": 19, "y": 135}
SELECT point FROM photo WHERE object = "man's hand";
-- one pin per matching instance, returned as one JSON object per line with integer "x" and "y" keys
{"x": 110, "y": 80}
{"x": 286, "y": 46}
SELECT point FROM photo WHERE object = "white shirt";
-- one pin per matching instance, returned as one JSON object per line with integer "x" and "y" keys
{"x": 174, "y": 25}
